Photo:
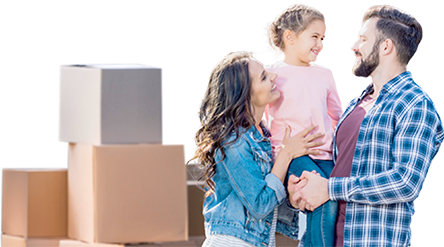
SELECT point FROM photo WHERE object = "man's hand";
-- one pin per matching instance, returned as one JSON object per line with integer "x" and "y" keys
{"x": 309, "y": 192}
{"x": 295, "y": 184}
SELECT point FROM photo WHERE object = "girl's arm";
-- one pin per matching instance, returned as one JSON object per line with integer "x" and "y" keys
{"x": 334, "y": 106}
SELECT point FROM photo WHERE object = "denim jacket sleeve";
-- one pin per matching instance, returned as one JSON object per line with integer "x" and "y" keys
{"x": 259, "y": 194}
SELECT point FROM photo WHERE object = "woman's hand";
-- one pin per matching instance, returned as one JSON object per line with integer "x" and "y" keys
{"x": 302, "y": 143}
{"x": 295, "y": 184}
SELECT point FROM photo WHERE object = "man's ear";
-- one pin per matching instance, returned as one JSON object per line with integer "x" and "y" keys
{"x": 387, "y": 47}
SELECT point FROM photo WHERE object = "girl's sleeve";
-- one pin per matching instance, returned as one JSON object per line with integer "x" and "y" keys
{"x": 334, "y": 103}
{"x": 267, "y": 116}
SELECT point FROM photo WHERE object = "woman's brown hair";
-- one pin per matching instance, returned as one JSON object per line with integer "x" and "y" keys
{"x": 225, "y": 109}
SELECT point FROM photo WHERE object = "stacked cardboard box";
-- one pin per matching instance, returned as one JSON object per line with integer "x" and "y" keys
{"x": 34, "y": 207}
{"x": 124, "y": 185}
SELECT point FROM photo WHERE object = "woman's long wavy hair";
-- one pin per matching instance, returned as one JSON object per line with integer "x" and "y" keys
{"x": 225, "y": 108}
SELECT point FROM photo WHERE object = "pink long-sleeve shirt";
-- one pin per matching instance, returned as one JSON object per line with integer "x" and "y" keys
{"x": 308, "y": 96}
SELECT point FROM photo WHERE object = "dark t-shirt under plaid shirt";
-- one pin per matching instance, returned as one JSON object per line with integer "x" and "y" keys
{"x": 397, "y": 141}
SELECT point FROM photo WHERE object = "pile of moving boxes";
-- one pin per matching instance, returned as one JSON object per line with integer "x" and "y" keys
{"x": 122, "y": 186}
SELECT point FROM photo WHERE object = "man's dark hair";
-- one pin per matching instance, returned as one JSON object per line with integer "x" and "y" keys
{"x": 402, "y": 28}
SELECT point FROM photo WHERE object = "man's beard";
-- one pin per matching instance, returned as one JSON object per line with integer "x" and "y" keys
{"x": 366, "y": 67}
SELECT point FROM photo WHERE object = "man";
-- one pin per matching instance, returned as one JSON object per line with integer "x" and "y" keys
{"x": 384, "y": 142}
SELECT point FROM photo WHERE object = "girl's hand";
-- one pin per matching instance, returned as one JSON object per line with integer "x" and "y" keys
{"x": 302, "y": 143}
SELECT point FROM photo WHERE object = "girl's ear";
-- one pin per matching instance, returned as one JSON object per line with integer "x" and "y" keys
{"x": 288, "y": 37}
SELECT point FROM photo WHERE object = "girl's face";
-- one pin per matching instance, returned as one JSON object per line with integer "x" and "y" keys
{"x": 263, "y": 88}
{"x": 308, "y": 44}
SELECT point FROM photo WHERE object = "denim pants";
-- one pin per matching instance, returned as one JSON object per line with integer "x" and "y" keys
{"x": 320, "y": 229}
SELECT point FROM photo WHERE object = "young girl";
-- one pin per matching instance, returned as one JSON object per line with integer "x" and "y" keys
{"x": 308, "y": 96}
{"x": 244, "y": 187}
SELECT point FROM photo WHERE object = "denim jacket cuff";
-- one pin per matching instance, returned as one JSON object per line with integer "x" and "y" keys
{"x": 290, "y": 206}
{"x": 275, "y": 184}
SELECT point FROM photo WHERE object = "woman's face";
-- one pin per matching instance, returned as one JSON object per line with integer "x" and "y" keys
{"x": 263, "y": 88}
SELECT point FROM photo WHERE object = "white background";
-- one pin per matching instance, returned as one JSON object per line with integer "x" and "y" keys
{"x": 224, "y": 23}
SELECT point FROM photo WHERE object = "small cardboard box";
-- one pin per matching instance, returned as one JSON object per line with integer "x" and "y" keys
{"x": 110, "y": 104}
{"x": 75, "y": 243}
{"x": 127, "y": 193}
{"x": 34, "y": 202}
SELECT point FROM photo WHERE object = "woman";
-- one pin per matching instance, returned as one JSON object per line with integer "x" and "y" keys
{"x": 244, "y": 186}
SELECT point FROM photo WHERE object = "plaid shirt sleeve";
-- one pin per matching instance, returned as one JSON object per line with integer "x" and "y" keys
{"x": 415, "y": 141}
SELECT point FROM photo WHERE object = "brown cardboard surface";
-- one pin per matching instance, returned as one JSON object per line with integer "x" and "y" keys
{"x": 195, "y": 216}
{"x": 15, "y": 202}
{"x": 76, "y": 243}
{"x": 34, "y": 202}
{"x": 14, "y": 241}
{"x": 81, "y": 192}
{"x": 138, "y": 192}
{"x": 47, "y": 203}
{"x": 198, "y": 240}
{"x": 284, "y": 241}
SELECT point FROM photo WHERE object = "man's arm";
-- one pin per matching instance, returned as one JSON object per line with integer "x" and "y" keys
{"x": 416, "y": 141}
{"x": 418, "y": 135}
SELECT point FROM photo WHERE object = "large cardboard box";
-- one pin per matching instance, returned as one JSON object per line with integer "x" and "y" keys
{"x": 34, "y": 202}
{"x": 127, "y": 193}
{"x": 14, "y": 241}
{"x": 75, "y": 243}
{"x": 110, "y": 104}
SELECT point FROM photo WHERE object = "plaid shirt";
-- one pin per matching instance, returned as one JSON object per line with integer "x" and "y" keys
{"x": 397, "y": 141}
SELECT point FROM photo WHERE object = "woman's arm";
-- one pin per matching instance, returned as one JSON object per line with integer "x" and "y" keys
{"x": 260, "y": 196}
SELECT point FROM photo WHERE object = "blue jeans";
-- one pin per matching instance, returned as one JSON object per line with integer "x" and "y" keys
{"x": 321, "y": 222}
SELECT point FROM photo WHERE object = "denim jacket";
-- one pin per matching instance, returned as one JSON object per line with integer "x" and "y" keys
{"x": 246, "y": 193}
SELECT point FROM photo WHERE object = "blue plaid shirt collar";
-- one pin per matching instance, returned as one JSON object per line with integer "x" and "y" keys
{"x": 391, "y": 86}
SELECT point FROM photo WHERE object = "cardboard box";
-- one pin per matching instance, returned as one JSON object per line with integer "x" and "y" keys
{"x": 14, "y": 241}
{"x": 195, "y": 205}
{"x": 110, "y": 104}
{"x": 75, "y": 243}
{"x": 284, "y": 241}
{"x": 127, "y": 193}
{"x": 198, "y": 240}
{"x": 35, "y": 202}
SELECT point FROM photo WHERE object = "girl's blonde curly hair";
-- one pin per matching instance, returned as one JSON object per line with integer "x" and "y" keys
{"x": 295, "y": 17}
